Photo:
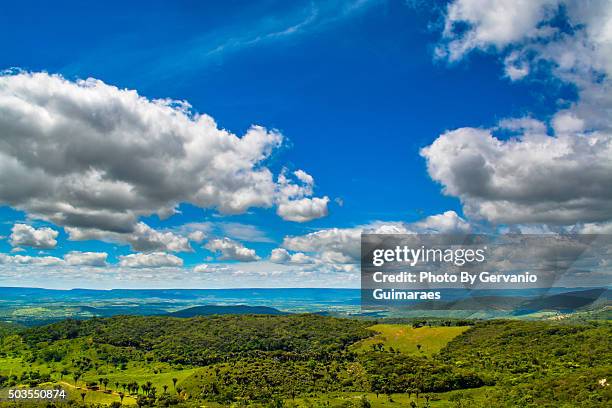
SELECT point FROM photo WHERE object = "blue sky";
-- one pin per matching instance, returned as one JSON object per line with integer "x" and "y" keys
{"x": 356, "y": 88}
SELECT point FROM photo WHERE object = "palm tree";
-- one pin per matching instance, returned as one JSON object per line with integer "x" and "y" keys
{"x": 83, "y": 394}
{"x": 174, "y": 380}
{"x": 165, "y": 388}
{"x": 121, "y": 395}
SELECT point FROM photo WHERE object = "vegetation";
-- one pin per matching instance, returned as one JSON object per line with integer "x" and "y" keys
{"x": 311, "y": 360}
{"x": 419, "y": 341}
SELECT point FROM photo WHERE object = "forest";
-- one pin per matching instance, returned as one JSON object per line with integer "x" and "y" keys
{"x": 310, "y": 360}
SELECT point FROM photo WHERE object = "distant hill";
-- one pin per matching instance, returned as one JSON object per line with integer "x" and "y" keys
{"x": 565, "y": 302}
{"x": 209, "y": 310}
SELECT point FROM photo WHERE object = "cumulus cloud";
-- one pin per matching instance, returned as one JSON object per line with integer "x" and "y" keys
{"x": 232, "y": 250}
{"x": 561, "y": 178}
{"x": 304, "y": 209}
{"x": 150, "y": 260}
{"x": 448, "y": 222}
{"x": 86, "y": 258}
{"x": 26, "y": 235}
{"x": 294, "y": 203}
{"x": 197, "y": 236}
{"x": 33, "y": 260}
{"x": 91, "y": 156}
{"x": 335, "y": 247}
{"x": 282, "y": 256}
{"x": 574, "y": 35}
{"x": 491, "y": 23}
{"x": 143, "y": 238}
{"x": 534, "y": 178}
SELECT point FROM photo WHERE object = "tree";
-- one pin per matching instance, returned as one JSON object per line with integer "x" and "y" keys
{"x": 75, "y": 377}
{"x": 83, "y": 394}
{"x": 165, "y": 386}
{"x": 121, "y": 395}
{"x": 174, "y": 380}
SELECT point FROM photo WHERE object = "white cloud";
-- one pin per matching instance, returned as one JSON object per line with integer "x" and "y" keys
{"x": 197, "y": 236}
{"x": 304, "y": 209}
{"x": 596, "y": 228}
{"x": 150, "y": 260}
{"x": 344, "y": 241}
{"x": 279, "y": 255}
{"x": 282, "y": 256}
{"x": 564, "y": 178}
{"x": 304, "y": 177}
{"x": 26, "y": 235}
{"x": 195, "y": 231}
{"x": 210, "y": 268}
{"x": 143, "y": 238}
{"x": 534, "y": 178}
{"x": 294, "y": 203}
{"x": 335, "y": 247}
{"x": 447, "y": 223}
{"x": 86, "y": 258}
{"x": 92, "y": 156}
{"x": 34, "y": 260}
{"x": 231, "y": 250}
{"x": 492, "y": 23}
{"x": 515, "y": 67}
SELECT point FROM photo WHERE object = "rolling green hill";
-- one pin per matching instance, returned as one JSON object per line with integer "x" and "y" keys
{"x": 311, "y": 360}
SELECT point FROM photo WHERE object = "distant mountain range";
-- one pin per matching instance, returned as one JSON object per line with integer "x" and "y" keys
{"x": 223, "y": 310}
{"x": 32, "y": 306}
{"x": 566, "y": 302}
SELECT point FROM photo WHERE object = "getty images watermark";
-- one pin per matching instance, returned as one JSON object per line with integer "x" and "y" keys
{"x": 476, "y": 272}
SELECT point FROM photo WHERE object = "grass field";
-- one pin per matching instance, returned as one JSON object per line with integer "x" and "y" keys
{"x": 139, "y": 374}
{"x": 422, "y": 341}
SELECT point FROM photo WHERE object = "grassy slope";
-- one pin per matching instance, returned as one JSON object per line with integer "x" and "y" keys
{"x": 405, "y": 339}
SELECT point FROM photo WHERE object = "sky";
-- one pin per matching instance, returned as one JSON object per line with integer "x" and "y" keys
{"x": 248, "y": 144}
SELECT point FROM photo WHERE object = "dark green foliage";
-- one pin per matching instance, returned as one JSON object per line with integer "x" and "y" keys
{"x": 522, "y": 347}
{"x": 537, "y": 364}
{"x": 203, "y": 341}
{"x": 7, "y": 329}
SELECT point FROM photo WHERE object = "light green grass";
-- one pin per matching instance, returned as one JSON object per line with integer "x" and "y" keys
{"x": 9, "y": 365}
{"x": 406, "y": 339}
{"x": 137, "y": 373}
{"x": 94, "y": 397}
{"x": 141, "y": 375}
